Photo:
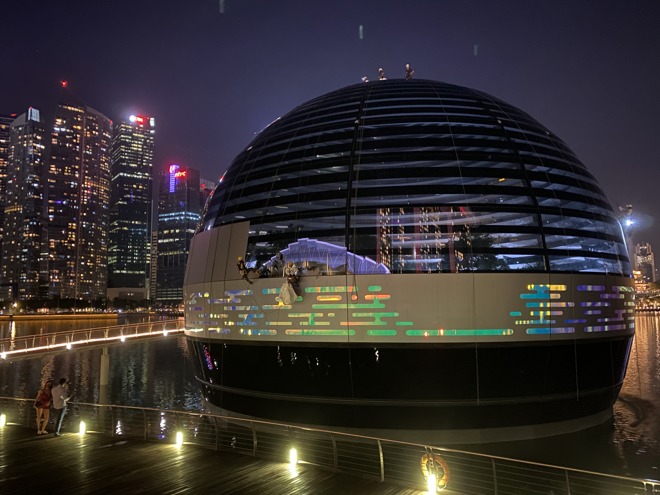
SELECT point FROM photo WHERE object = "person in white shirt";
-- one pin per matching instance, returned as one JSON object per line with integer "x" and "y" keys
{"x": 60, "y": 398}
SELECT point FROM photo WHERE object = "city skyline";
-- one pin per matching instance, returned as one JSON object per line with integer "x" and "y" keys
{"x": 214, "y": 77}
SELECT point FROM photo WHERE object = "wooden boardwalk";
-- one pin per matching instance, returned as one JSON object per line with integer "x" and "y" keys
{"x": 96, "y": 464}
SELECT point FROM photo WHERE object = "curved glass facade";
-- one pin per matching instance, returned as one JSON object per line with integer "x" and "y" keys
{"x": 417, "y": 176}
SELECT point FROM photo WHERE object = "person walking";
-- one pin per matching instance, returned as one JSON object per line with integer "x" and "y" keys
{"x": 60, "y": 398}
{"x": 42, "y": 405}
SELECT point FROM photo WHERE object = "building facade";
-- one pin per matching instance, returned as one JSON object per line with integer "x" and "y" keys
{"x": 460, "y": 271}
{"x": 23, "y": 264}
{"x": 131, "y": 201}
{"x": 645, "y": 262}
{"x": 78, "y": 203}
{"x": 180, "y": 206}
{"x": 5, "y": 123}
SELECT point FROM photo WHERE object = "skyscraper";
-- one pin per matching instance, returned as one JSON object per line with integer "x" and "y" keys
{"x": 131, "y": 209}
{"x": 78, "y": 199}
{"x": 644, "y": 261}
{"x": 179, "y": 211}
{"x": 23, "y": 266}
{"x": 5, "y": 122}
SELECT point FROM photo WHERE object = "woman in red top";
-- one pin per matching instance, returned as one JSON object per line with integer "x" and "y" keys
{"x": 42, "y": 405}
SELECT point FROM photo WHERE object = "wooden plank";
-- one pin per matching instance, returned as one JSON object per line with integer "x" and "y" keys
{"x": 73, "y": 464}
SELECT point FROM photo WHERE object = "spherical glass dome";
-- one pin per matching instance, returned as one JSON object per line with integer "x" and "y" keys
{"x": 417, "y": 176}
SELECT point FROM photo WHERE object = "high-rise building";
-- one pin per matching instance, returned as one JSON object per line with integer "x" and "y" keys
{"x": 23, "y": 265}
{"x": 644, "y": 262}
{"x": 78, "y": 203}
{"x": 5, "y": 123}
{"x": 131, "y": 202}
{"x": 180, "y": 206}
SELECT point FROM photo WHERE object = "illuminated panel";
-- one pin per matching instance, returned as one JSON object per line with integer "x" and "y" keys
{"x": 404, "y": 323}
{"x": 277, "y": 306}
{"x": 241, "y": 308}
{"x": 376, "y": 304}
{"x": 374, "y": 288}
{"x": 305, "y": 331}
{"x": 551, "y": 330}
{"x": 595, "y": 304}
{"x": 552, "y": 304}
{"x": 251, "y": 331}
{"x": 604, "y": 328}
{"x": 482, "y": 332}
{"x": 328, "y": 298}
{"x": 280, "y": 323}
{"x": 221, "y": 331}
{"x": 338, "y": 288}
{"x": 381, "y": 333}
{"x": 373, "y": 297}
{"x": 534, "y": 322}
{"x": 515, "y": 313}
{"x": 591, "y": 288}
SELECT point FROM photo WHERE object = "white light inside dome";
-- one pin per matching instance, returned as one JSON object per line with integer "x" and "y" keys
{"x": 132, "y": 118}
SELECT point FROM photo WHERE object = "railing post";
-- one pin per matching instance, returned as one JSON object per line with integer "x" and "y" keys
{"x": 217, "y": 436}
{"x": 335, "y": 458}
{"x": 144, "y": 416}
{"x": 382, "y": 463}
{"x": 254, "y": 439}
{"x": 568, "y": 483}
{"x": 492, "y": 462}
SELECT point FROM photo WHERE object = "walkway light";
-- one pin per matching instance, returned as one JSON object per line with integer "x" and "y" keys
{"x": 3, "y": 420}
{"x": 83, "y": 428}
{"x": 432, "y": 483}
{"x": 179, "y": 438}
{"x": 293, "y": 456}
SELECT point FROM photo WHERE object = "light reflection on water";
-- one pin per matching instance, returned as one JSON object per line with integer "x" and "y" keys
{"x": 159, "y": 374}
{"x": 156, "y": 373}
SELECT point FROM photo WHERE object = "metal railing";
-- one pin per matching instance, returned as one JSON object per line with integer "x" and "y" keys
{"x": 376, "y": 458}
{"x": 69, "y": 339}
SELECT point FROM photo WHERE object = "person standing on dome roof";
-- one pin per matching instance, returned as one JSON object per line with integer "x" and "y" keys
{"x": 243, "y": 270}
{"x": 409, "y": 72}
{"x": 381, "y": 74}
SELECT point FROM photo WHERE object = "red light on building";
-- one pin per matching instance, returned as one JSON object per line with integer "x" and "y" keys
{"x": 181, "y": 174}
{"x": 64, "y": 84}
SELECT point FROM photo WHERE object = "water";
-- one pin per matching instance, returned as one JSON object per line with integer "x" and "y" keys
{"x": 160, "y": 374}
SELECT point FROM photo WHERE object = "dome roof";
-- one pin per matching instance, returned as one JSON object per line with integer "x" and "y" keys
{"x": 420, "y": 176}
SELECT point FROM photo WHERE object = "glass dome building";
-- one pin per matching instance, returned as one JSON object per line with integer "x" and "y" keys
{"x": 459, "y": 270}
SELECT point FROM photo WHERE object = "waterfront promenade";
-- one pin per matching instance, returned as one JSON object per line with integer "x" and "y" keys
{"x": 98, "y": 464}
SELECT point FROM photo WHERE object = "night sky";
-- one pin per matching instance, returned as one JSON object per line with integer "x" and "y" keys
{"x": 215, "y": 72}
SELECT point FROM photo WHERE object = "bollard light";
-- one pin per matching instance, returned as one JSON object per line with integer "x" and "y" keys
{"x": 3, "y": 420}
{"x": 432, "y": 483}
{"x": 179, "y": 438}
{"x": 83, "y": 428}
{"x": 3, "y": 355}
{"x": 293, "y": 456}
{"x": 68, "y": 346}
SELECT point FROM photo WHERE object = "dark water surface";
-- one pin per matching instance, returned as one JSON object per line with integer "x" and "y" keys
{"x": 159, "y": 374}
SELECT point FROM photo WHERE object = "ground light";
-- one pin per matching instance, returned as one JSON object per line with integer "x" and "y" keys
{"x": 293, "y": 457}
{"x": 179, "y": 439}
{"x": 3, "y": 420}
{"x": 83, "y": 428}
{"x": 432, "y": 483}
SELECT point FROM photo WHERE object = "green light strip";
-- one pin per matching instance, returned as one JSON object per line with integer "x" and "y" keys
{"x": 459, "y": 333}
{"x": 381, "y": 333}
{"x": 306, "y": 331}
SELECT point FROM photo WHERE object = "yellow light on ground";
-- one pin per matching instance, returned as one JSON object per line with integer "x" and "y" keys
{"x": 83, "y": 428}
{"x": 3, "y": 420}
{"x": 3, "y": 355}
{"x": 68, "y": 346}
{"x": 432, "y": 483}
{"x": 179, "y": 438}
{"x": 164, "y": 333}
{"x": 293, "y": 457}
{"x": 122, "y": 338}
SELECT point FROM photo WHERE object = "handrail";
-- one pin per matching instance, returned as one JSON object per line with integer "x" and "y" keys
{"x": 66, "y": 339}
{"x": 380, "y": 459}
